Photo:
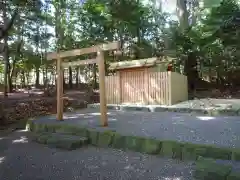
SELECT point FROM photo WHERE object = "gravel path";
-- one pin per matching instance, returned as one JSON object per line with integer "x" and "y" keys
{"x": 221, "y": 131}
{"x": 21, "y": 159}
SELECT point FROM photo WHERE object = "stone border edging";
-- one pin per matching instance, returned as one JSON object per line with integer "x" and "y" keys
{"x": 209, "y": 169}
{"x": 171, "y": 149}
{"x": 62, "y": 141}
{"x": 210, "y": 112}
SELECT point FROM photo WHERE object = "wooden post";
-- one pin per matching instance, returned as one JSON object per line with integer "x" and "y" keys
{"x": 146, "y": 86}
{"x": 119, "y": 87}
{"x": 103, "y": 105}
{"x": 169, "y": 88}
{"x": 59, "y": 89}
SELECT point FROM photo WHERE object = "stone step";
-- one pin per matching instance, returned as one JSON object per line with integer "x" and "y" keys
{"x": 60, "y": 140}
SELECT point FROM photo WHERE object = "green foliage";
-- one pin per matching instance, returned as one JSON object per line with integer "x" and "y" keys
{"x": 143, "y": 29}
{"x": 210, "y": 4}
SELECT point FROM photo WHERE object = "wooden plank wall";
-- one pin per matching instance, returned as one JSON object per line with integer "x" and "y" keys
{"x": 145, "y": 87}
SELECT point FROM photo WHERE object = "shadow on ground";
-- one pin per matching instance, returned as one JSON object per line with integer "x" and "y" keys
{"x": 22, "y": 159}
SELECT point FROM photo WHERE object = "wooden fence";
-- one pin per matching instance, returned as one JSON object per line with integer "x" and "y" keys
{"x": 144, "y": 87}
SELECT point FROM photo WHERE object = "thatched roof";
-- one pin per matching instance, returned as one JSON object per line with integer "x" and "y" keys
{"x": 137, "y": 63}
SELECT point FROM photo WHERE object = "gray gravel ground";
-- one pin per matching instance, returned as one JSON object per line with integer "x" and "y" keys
{"x": 21, "y": 159}
{"x": 222, "y": 131}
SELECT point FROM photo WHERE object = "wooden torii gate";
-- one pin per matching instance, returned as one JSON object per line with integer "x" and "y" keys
{"x": 99, "y": 49}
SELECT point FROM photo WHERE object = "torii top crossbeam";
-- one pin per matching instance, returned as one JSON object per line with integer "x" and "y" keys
{"x": 78, "y": 52}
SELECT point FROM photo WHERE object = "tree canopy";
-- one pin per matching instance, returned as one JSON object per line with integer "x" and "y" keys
{"x": 204, "y": 35}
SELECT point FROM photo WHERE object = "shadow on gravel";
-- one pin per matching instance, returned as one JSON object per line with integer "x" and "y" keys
{"x": 22, "y": 159}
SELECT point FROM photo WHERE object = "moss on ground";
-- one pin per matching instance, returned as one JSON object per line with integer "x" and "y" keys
{"x": 234, "y": 176}
{"x": 40, "y": 127}
{"x": 173, "y": 149}
{"x": 93, "y": 137}
{"x": 105, "y": 139}
{"x": 41, "y": 137}
{"x": 62, "y": 141}
{"x": 151, "y": 146}
{"x": 218, "y": 153}
{"x": 189, "y": 151}
{"x": 208, "y": 169}
{"x": 119, "y": 141}
{"x": 70, "y": 143}
{"x": 236, "y": 155}
{"x": 134, "y": 143}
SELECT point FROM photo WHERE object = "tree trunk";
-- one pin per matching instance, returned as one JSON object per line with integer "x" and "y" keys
{"x": 37, "y": 77}
{"x": 23, "y": 81}
{"x": 7, "y": 24}
{"x": 77, "y": 77}
{"x": 70, "y": 74}
{"x": 190, "y": 69}
{"x": 5, "y": 53}
{"x": 60, "y": 21}
{"x": 95, "y": 86}
{"x": 10, "y": 85}
{"x": 6, "y": 62}
{"x": 28, "y": 77}
{"x": 138, "y": 33}
{"x": 182, "y": 14}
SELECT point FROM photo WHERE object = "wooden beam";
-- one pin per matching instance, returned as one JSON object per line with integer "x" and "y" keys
{"x": 102, "y": 89}
{"x": 79, "y": 63}
{"x": 78, "y": 52}
{"x": 134, "y": 63}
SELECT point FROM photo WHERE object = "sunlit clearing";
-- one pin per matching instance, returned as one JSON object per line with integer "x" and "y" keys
{"x": 172, "y": 178}
{"x": 23, "y": 139}
{"x": 71, "y": 117}
{"x": 112, "y": 119}
{"x": 205, "y": 118}
{"x": 23, "y": 130}
{"x": 27, "y": 128}
{"x": 2, "y": 159}
{"x": 98, "y": 114}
